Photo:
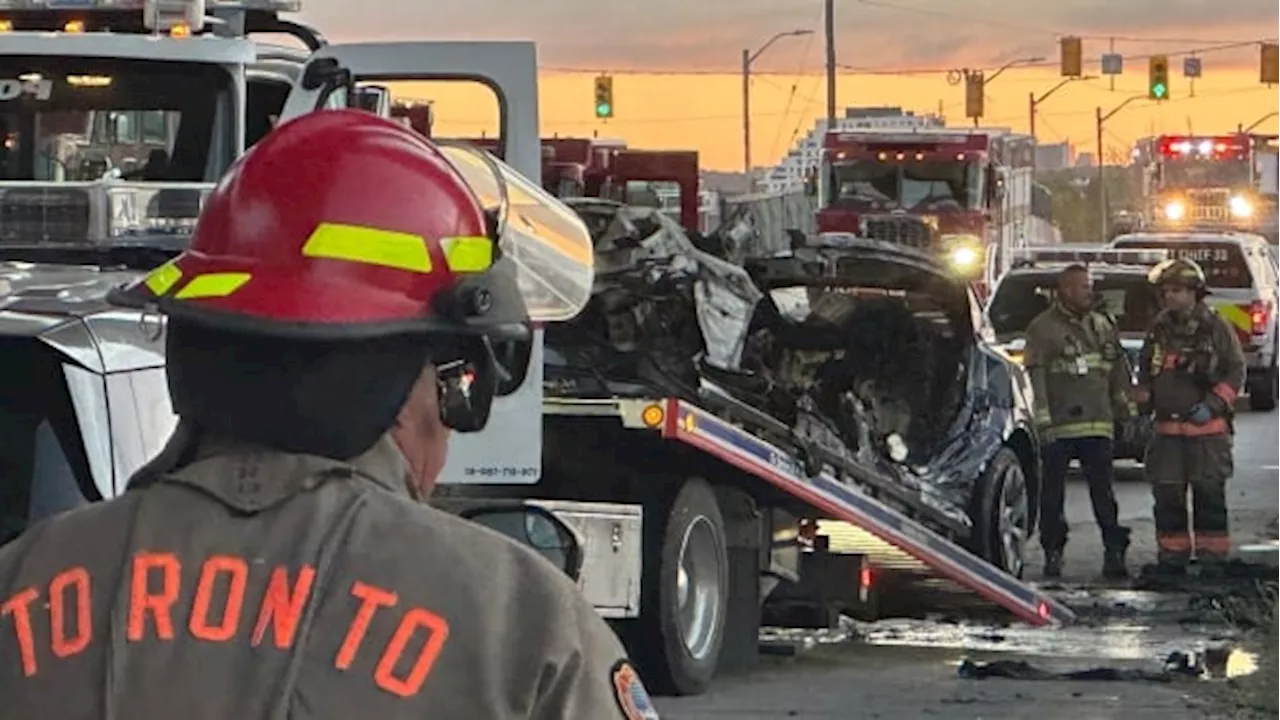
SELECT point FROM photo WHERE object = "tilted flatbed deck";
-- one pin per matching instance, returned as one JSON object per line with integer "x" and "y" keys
{"x": 834, "y": 493}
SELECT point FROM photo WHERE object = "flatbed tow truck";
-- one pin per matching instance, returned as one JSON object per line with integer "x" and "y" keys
{"x": 696, "y": 514}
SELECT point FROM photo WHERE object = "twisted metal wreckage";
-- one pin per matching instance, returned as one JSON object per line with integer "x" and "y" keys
{"x": 859, "y": 347}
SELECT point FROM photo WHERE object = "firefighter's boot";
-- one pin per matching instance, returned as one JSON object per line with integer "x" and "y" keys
{"x": 1113, "y": 558}
{"x": 1053, "y": 563}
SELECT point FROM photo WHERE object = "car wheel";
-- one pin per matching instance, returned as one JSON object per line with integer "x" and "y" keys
{"x": 685, "y": 599}
{"x": 1002, "y": 513}
{"x": 1265, "y": 391}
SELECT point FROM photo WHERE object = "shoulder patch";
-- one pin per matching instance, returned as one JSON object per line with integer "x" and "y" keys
{"x": 633, "y": 699}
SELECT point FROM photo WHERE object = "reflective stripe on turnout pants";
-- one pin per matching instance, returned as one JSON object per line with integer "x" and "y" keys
{"x": 1202, "y": 463}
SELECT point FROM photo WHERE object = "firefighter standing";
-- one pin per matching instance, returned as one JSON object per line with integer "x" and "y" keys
{"x": 1082, "y": 384}
{"x": 273, "y": 561}
{"x": 1191, "y": 370}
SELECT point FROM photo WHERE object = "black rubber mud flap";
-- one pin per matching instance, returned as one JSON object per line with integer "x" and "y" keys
{"x": 986, "y": 542}
{"x": 740, "y": 651}
{"x": 655, "y": 641}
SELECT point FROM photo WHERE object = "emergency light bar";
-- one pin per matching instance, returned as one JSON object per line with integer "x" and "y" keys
{"x": 1203, "y": 147}
{"x": 1086, "y": 255}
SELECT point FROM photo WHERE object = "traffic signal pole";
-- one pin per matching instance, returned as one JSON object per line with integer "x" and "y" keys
{"x": 1035, "y": 101}
{"x": 1101, "y": 120}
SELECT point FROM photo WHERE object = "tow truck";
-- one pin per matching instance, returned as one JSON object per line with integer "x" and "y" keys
{"x": 677, "y": 516}
{"x": 968, "y": 194}
{"x": 1206, "y": 183}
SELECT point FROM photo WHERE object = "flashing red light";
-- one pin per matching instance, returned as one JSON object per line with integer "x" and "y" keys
{"x": 1201, "y": 147}
{"x": 1258, "y": 316}
{"x": 865, "y": 577}
{"x": 1043, "y": 610}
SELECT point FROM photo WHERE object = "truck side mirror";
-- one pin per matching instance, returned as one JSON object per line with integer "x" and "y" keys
{"x": 536, "y": 528}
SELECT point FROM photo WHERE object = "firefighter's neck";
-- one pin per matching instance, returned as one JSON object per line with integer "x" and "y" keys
{"x": 1073, "y": 309}
{"x": 421, "y": 436}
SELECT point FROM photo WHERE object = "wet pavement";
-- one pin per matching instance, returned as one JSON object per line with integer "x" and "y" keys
{"x": 1174, "y": 638}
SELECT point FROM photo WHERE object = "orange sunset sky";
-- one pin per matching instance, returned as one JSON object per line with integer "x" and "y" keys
{"x": 675, "y": 64}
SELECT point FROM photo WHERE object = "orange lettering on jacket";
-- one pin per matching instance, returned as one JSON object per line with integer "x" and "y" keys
{"x": 214, "y": 608}
{"x": 384, "y": 674}
{"x": 70, "y": 617}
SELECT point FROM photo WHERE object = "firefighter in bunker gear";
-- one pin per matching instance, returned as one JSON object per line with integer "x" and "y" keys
{"x": 1190, "y": 372}
{"x": 272, "y": 561}
{"x": 1081, "y": 383}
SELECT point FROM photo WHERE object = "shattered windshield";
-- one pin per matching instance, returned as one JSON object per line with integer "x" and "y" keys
{"x": 1127, "y": 297}
{"x": 1205, "y": 173}
{"x": 927, "y": 185}
{"x": 84, "y": 119}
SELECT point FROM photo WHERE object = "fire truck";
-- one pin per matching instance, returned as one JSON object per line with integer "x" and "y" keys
{"x": 1205, "y": 183}
{"x": 969, "y": 194}
{"x": 607, "y": 169}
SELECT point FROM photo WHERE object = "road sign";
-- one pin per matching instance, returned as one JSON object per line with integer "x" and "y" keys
{"x": 1112, "y": 64}
{"x": 1191, "y": 67}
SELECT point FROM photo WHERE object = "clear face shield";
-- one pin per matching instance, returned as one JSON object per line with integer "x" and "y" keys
{"x": 547, "y": 248}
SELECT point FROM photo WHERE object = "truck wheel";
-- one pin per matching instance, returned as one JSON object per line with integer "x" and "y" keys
{"x": 1002, "y": 514}
{"x": 685, "y": 593}
{"x": 1265, "y": 390}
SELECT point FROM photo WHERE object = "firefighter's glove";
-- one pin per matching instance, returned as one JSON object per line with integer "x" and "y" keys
{"x": 1200, "y": 414}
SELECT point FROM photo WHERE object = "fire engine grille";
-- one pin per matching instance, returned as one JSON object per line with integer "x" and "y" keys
{"x": 1208, "y": 205}
{"x": 35, "y": 216}
{"x": 900, "y": 230}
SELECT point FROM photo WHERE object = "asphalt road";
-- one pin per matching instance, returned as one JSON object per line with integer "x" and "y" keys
{"x": 900, "y": 683}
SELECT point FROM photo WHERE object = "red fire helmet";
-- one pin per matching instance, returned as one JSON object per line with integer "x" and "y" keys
{"x": 341, "y": 224}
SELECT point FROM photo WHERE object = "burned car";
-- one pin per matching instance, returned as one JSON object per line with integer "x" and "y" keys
{"x": 865, "y": 353}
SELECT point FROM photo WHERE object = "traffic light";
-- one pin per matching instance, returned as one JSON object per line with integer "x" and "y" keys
{"x": 604, "y": 96}
{"x": 1270, "y": 66}
{"x": 1072, "y": 57}
{"x": 1158, "y": 77}
{"x": 974, "y": 89}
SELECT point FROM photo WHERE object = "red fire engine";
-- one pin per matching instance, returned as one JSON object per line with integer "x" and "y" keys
{"x": 966, "y": 193}
{"x": 1203, "y": 183}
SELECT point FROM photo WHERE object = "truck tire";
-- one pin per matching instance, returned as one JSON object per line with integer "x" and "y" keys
{"x": 1002, "y": 515}
{"x": 1264, "y": 391}
{"x": 684, "y": 593}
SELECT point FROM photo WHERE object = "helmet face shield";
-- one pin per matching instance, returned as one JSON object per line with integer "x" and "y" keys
{"x": 548, "y": 243}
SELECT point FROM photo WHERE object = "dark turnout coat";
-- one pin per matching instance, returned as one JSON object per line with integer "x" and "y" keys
{"x": 256, "y": 584}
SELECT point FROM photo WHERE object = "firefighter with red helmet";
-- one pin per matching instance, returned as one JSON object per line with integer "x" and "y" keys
{"x": 345, "y": 302}
{"x": 1190, "y": 372}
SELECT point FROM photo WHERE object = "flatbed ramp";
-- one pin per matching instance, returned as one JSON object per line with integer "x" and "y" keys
{"x": 681, "y": 421}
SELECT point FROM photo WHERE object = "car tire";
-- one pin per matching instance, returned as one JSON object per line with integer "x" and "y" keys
{"x": 684, "y": 605}
{"x": 1265, "y": 391}
{"x": 1002, "y": 513}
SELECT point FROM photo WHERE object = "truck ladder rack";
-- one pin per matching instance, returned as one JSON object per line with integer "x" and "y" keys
{"x": 681, "y": 421}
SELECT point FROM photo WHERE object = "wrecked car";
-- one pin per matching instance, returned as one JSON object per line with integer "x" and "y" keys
{"x": 867, "y": 353}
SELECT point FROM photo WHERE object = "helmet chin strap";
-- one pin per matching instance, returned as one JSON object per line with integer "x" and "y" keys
{"x": 467, "y": 387}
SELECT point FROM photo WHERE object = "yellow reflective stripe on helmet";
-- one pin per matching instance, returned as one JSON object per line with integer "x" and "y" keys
{"x": 468, "y": 254}
{"x": 371, "y": 246}
{"x": 162, "y": 279}
{"x": 212, "y": 285}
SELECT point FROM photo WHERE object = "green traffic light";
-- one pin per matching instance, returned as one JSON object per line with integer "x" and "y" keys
{"x": 603, "y": 110}
{"x": 1159, "y": 90}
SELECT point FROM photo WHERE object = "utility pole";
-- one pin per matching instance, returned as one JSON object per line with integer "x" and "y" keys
{"x": 749, "y": 57}
{"x": 1100, "y": 121}
{"x": 830, "y": 26}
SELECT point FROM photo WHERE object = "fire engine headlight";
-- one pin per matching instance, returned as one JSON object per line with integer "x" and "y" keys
{"x": 964, "y": 258}
{"x": 1175, "y": 210}
{"x": 1240, "y": 207}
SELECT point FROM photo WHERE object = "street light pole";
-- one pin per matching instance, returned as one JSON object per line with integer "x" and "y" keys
{"x": 1012, "y": 63}
{"x": 749, "y": 57}
{"x": 1035, "y": 101}
{"x": 1259, "y": 121}
{"x": 1101, "y": 120}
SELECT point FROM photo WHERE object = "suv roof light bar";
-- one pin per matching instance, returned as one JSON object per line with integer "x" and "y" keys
{"x": 1085, "y": 255}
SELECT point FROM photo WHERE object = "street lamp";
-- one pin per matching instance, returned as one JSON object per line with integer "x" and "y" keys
{"x": 1101, "y": 120}
{"x": 1035, "y": 101}
{"x": 1011, "y": 64}
{"x": 749, "y": 57}
{"x": 1259, "y": 121}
